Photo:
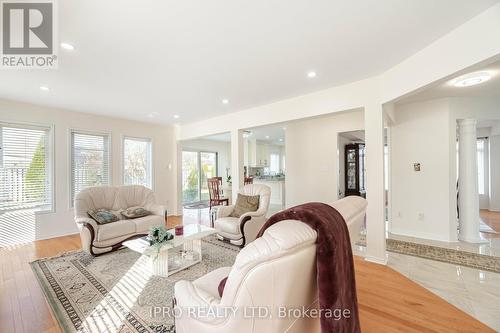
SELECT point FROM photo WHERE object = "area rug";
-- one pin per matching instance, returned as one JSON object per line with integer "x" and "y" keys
{"x": 199, "y": 205}
{"x": 451, "y": 256}
{"x": 116, "y": 292}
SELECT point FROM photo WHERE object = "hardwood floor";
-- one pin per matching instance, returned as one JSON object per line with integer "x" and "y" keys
{"x": 492, "y": 219}
{"x": 388, "y": 301}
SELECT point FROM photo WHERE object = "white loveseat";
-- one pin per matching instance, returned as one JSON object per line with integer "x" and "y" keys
{"x": 98, "y": 239}
{"x": 275, "y": 270}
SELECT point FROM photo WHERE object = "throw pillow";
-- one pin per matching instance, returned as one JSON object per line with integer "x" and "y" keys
{"x": 135, "y": 212}
{"x": 103, "y": 215}
{"x": 245, "y": 204}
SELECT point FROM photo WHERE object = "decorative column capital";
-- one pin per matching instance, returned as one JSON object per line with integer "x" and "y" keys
{"x": 469, "y": 122}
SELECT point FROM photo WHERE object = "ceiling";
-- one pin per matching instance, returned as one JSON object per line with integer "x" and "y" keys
{"x": 273, "y": 134}
{"x": 445, "y": 88}
{"x": 170, "y": 57}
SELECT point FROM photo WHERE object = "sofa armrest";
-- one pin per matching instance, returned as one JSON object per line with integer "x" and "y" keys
{"x": 223, "y": 211}
{"x": 250, "y": 227}
{"x": 251, "y": 215}
{"x": 82, "y": 221}
{"x": 188, "y": 296}
{"x": 156, "y": 209}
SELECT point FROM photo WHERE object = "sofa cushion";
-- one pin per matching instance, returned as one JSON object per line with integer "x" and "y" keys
{"x": 245, "y": 204}
{"x": 103, "y": 215}
{"x": 135, "y": 212}
{"x": 143, "y": 224}
{"x": 115, "y": 229}
{"x": 230, "y": 225}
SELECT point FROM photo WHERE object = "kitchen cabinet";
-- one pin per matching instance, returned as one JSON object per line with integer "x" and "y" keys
{"x": 262, "y": 155}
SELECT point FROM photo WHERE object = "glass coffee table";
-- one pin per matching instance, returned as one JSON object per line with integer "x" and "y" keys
{"x": 176, "y": 254}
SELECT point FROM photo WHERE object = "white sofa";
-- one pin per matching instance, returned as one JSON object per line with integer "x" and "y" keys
{"x": 243, "y": 230}
{"x": 275, "y": 270}
{"x": 98, "y": 239}
{"x": 353, "y": 209}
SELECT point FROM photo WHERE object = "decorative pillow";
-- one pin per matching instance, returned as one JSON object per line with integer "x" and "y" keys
{"x": 245, "y": 204}
{"x": 135, "y": 212}
{"x": 103, "y": 215}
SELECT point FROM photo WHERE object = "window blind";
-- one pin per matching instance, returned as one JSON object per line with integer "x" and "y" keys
{"x": 25, "y": 167}
{"x": 137, "y": 164}
{"x": 89, "y": 161}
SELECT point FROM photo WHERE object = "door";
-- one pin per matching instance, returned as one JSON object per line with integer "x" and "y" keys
{"x": 197, "y": 167}
{"x": 190, "y": 177}
{"x": 208, "y": 162}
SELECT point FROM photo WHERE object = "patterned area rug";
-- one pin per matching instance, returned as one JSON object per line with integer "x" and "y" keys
{"x": 116, "y": 292}
{"x": 451, "y": 256}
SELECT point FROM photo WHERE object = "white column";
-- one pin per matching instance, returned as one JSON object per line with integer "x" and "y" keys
{"x": 236, "y": 162}
{"x": 375, "y": 215}
{"x": 468, "y": 201}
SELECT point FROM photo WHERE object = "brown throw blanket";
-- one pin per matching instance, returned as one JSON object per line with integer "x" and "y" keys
{"x": 335, "y": 266}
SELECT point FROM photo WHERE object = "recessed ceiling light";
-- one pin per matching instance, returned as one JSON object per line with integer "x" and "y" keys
{"x": 153, "y": 114}
{"x": 44, "y": 88}
{"x": 311, "y": 74}
{"x": 281, "y": 140}
{"x": 176, "y": 116}
{"x": 225, "y": 101}
{"x": 67, "y": 46}
{"x": 471, "y": 79}
{"x": 267, "y": 136}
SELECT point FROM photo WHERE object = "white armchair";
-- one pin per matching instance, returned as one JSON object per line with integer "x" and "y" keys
{"x": 243, "y": 230}
{"x": 275, "y": 270}
{"x": 97, "y": 239}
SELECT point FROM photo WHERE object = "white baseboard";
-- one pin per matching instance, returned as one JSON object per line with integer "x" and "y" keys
{"x": 376, "y": 260}
{"x": 58, "y": 235}
{"x": 424, "y": 235}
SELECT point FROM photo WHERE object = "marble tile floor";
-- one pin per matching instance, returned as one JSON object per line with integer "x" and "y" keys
{"x": 491, "y": 246}
{"x": 473, "y": 291}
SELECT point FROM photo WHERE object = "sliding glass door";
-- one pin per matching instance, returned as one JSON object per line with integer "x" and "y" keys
{"x": 197, "y": 167}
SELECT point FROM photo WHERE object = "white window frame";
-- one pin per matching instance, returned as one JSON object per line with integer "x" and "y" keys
{"x": 151, "y": 150}
{"x": 70, "y": 158}
{"x": 51, "y": 159}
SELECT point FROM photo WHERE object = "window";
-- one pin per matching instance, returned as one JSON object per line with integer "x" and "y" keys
{"x": 274, "y": 165}
{"x": 25, "y": 167}
{"x": 137, "y": 166}
{"x": 89, "y": 161}
{"x": 481, "y": 165}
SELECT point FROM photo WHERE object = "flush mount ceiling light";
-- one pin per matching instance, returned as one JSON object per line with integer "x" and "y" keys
{"x": 44, "y": 88}
{"x": 225, "y": 101}
{"x": 471, "y": 79}
{"x": 311, "y": 74}
{"x": 67, "y": 46}
{"x": 176, "y": 116}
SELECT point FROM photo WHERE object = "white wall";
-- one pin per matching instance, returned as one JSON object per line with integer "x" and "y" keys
{"x": 311, "y": 156}
{"x": 494, "y": 204}
{"x": 422, "y": 134}
{"x": 60, "y": 222}
{"x": 484, "y": 199}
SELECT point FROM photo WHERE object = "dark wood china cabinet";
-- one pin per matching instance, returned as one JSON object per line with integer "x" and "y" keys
{"x": 355, "y": 170}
